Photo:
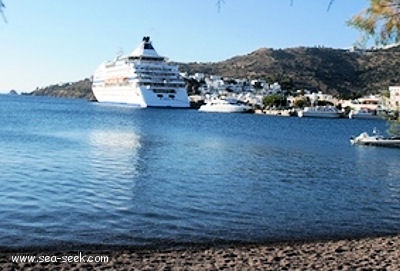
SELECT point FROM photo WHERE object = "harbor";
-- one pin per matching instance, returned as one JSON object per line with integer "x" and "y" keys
{"x": 271, "y": 99}
{"x": 156, "y": 187}
{"x": 205, "y": 178}
{"x": 295, "y": 187}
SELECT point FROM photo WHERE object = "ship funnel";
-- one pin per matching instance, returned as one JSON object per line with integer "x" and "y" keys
{"x": 145, "y": 49}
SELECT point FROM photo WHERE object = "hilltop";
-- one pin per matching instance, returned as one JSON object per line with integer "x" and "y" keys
{"x": 80, "y": 89}
{"x": 333, "y": 71}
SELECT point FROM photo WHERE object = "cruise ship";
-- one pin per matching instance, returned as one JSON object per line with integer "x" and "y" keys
{"x": 142, "y": 79}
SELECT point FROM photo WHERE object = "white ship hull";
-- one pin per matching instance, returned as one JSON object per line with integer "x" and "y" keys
{"x": 142, "y": 79}
{"x": 140, "y": 97}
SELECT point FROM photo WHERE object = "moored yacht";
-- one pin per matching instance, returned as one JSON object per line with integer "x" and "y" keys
{"x": 320, "y": 112}
{"x": 228, "y": 105}
{"x": 363, "y": 113}
{"x": 376, "y": 139}
{"x": 142, "y": 79}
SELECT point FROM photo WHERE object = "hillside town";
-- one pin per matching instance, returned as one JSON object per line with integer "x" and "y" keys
{"x": 271, "y": 98}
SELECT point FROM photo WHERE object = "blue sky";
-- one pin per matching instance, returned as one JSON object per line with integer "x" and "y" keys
{"x": 52, "y": 41}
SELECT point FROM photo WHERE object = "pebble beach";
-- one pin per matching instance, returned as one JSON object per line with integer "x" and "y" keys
{"x": 377, "y": 253}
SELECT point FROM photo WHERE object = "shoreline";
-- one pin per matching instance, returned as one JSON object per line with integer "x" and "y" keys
{"x": 373, "y": 253}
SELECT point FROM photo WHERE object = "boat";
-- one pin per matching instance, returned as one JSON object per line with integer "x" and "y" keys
{"x": 225, "y": 106}
{"x": 376, "y": 139}
{"x": 142, "y": 78}
{"x": 320, "y": 112}
{"x": 363, "y": 113}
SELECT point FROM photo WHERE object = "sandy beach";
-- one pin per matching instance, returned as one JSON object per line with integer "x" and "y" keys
{"x": 378, "y": 253}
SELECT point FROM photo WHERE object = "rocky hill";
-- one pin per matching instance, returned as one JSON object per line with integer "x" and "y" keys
{"x": 333, "y": 71}
{"x": 80, "y": 89}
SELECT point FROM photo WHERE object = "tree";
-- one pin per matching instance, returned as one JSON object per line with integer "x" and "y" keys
{"x": 302, "y": 102}
{"x": 276, "y": 100}
{"x": 380, "y": 21}
{"x": 2, "y": 6}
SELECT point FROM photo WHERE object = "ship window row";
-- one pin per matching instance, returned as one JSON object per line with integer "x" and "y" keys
{"x": 172, "y": 85}
{"x": 160, "y": 73}
{"x": 152, "y": 73}
{"x": 146, "y": 59}
{"x": 159, "y": 78}
{"x": 147, "y": 68}
{"x": 162, "y": 82}
{"x": 164, "y": 91}
{"x": 157, "y": 72}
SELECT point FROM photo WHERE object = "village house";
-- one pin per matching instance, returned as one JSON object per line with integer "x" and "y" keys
{"x": 394, "y": 101}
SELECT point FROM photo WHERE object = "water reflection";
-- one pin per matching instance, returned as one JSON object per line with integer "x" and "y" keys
{"x": 114, "y": 156}
{"x": 114, "y": 139}
{"x": 114, "y": 153}
{"x": 369, "y": 162}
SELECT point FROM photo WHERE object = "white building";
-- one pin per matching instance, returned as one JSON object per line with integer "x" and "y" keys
{"x": 315, "y": 97}
{"x": 394, "y": 97}
{"x": 214, "y": 82}
{"x": 198, "y": 76}
{"x": 273, "y": 88}
{"x": 371, "y": 102}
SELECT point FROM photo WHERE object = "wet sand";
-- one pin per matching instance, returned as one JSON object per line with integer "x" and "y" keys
{"x": 378, "y": 253}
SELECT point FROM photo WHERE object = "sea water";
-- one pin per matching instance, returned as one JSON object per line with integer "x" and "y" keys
{"x": 81, "y": 173}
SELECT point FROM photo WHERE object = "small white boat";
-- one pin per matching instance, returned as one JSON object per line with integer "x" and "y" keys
{"x": 320, "y": 112}
{"x": 225, "y": 106}
{"x": 375, "y": 140}
{"x": 363, "y": 113}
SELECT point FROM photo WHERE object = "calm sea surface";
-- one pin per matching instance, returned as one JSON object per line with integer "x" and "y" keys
{"x": 80, "y": 173}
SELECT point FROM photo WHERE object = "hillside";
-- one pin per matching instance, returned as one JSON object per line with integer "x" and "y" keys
{"x": 80, "y": 89}
{"x": 333, "y": 71}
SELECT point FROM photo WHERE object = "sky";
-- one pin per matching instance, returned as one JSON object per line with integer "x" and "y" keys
{"x": 46, "y": 42}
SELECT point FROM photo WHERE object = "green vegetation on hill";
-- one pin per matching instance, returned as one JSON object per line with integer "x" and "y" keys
{"x": 80, "y": 89}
